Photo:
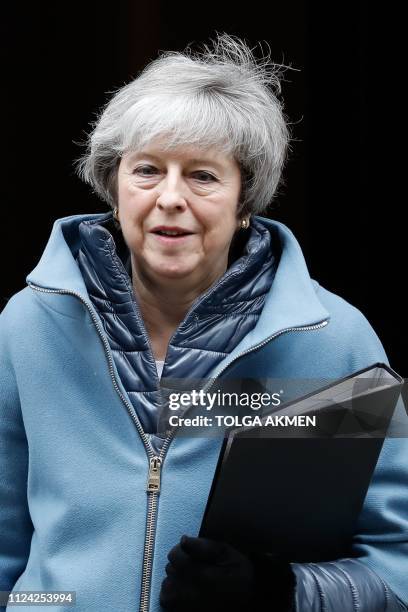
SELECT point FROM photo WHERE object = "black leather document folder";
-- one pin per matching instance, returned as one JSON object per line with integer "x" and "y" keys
{"x": 298, "y": 491}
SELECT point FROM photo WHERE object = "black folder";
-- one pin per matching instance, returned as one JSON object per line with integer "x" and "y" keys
{"x": 298, "y": 492}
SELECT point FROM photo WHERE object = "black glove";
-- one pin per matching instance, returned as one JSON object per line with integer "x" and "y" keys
{"x": 208, "y": 576}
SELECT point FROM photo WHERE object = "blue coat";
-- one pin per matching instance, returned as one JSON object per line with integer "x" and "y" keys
{"x": 74, "y": 457}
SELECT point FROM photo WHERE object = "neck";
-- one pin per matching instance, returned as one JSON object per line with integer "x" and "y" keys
{"x": 164, "y": 304}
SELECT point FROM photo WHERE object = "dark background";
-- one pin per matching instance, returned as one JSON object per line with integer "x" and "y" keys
{"x": 61, "y": 61}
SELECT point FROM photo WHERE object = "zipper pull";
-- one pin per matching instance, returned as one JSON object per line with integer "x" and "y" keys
{"x": 153, "y": 482}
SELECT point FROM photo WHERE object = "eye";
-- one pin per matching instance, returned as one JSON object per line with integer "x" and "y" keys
{"x": 145, "y": 170}
{"x": 204, "y": 177}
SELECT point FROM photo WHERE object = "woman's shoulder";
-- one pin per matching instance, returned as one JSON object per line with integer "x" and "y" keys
{"x": 344, "y": 313}
{"x": 16, "y": 306}
{"x": 34, "y": 307}
{"x": 23, "y": 311}
{"x": 15, "y": 321}
{"x": 349, "y": 326}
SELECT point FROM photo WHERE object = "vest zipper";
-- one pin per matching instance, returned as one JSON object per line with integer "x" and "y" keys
{"x": 155, "y": 462}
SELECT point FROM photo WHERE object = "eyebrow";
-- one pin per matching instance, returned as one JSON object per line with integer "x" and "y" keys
{"x": 193, "y": 160}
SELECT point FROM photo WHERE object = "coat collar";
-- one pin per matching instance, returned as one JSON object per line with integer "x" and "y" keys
{"x": 291, "y": 302}
{"x": 106, "y": 261}
{"x": 57, "y": 268}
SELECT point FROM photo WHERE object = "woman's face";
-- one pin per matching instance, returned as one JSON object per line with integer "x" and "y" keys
{"x": 178, "y": 211}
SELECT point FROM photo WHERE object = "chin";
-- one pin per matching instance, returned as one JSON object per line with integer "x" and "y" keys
{"x": 173, "y": 267}
{"x": 172, "y": 271}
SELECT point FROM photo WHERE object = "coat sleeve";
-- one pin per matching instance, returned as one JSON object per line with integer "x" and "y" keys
{"x": 375, "y": 578}
{"x": 346, "y": 584}
{"x": 15, "y": 523}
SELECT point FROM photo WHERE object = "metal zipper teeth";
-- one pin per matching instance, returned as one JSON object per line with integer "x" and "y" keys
{"x": 148, "y": 552}
{"x": 151, "y": 535}
{"x": 254, "y": 348}
{"x": 269, "y": 339}
{"x": 152, "y": 496}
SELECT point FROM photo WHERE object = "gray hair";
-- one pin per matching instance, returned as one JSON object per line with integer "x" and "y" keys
{"x": 220, "y": 97}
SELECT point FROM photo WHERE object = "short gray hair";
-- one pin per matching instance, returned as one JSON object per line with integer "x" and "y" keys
{"x": 219, "y": 97}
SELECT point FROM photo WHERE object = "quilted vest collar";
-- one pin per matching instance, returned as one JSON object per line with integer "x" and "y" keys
{"x": 216, "y": 322}
{"x": 108, "y": 259}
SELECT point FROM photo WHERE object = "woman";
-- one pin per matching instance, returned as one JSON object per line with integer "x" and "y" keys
{"x": 180, "y": 278}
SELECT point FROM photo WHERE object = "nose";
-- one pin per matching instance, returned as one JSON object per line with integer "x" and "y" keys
{"x": 172, "y": 193}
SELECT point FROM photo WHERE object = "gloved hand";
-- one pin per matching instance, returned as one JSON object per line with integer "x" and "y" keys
{"x": 208, "y": 576}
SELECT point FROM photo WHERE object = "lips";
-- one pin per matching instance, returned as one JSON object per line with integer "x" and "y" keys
{"x": 171, "y": 231}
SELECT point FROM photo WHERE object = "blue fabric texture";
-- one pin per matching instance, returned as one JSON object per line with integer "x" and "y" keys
{"x": 77, "y": 374}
